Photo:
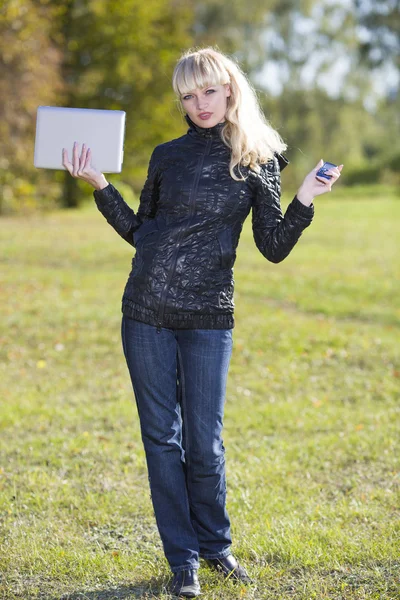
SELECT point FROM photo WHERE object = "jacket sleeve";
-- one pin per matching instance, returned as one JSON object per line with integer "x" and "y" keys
{"x": 275, "y": 234}
{"x": 116, "y": 211}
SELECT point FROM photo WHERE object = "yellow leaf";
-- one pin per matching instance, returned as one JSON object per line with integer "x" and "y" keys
{"x": 41, "y": 364}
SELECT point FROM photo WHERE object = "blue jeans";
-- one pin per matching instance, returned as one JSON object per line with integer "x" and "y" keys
{"x": 179, "y": 382}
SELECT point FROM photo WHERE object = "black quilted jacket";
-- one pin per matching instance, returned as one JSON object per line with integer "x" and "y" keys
{"x": 187, "y": 229}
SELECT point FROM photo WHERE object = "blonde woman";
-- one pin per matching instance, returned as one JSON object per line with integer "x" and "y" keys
{"x": 178, "y": 308}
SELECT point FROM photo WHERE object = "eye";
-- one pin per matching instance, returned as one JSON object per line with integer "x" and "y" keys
{"x": 189, "y": 95}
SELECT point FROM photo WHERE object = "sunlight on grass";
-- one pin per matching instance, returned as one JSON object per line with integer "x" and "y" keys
{"x": 311, "y": 424}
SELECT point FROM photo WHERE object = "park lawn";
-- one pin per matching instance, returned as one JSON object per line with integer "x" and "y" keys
{"x": 311, "y": 425}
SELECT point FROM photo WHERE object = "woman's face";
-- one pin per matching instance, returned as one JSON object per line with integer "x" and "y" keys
{"x": 207, "y": 107}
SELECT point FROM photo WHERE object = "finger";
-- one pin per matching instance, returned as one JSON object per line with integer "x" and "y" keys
{"x": 334, "y": 173}
{"x": 86, "y": 166}
{"x": 88, "y": 157}
{"x": 76, "y": 159}
{"x": 336, "y": 170}
{"x": 325, "y": 180}
{"x": 319, "y": 165}
{"x": 65, "y": 160}
{"x": 83, "y": 157}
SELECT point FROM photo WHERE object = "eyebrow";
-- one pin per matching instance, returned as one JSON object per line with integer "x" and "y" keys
{"x": 204, "y": 88}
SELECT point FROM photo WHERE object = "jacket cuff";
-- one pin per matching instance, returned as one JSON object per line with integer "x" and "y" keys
{"x": 302, "y": 209}
{"x": 104, "y": 193}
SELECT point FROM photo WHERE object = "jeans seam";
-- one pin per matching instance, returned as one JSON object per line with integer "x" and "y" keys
{"x": 183, "y": 400}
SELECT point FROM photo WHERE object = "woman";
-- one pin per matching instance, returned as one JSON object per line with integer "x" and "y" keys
{"x": 178, "y": 301}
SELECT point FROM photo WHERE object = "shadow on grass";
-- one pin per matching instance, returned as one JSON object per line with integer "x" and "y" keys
{"x": 145, "y": 589}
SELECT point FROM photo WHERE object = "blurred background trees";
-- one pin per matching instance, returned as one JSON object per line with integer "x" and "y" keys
{"x": 326, "y": 73}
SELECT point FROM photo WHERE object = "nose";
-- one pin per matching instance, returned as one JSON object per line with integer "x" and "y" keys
{"x": 202, "y": 104}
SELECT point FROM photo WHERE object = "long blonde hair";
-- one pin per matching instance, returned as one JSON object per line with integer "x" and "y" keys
{"x": 246, "y": 132}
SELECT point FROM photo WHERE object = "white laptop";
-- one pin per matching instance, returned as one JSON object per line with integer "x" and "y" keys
{"x": 103, "y": 131}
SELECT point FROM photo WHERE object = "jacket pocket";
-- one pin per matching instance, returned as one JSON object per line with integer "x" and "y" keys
{"x": 145, "y": 240}
{"x": 226, "y": 248}
{"x": 145, "y": 229}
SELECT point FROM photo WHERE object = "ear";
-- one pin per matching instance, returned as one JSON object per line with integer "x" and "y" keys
{"x": 227, "y": 89}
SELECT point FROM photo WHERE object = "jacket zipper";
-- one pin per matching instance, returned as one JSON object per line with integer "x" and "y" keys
{"x": 192, "y": 203}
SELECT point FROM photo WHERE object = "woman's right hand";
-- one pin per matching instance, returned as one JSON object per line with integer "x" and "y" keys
{"x": 81, "y": 167}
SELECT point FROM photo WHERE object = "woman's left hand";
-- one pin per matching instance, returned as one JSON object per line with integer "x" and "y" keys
{"x": 313, "y": 186}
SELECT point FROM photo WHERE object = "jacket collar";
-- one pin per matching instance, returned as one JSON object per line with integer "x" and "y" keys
{"x": 282, "y": 160}
{"x": 205, "y": 132}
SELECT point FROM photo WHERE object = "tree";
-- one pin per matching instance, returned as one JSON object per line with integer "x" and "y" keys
{"x": 29, "y": 77}
{"x": 120, "y": 55}
{"x": 380, "y": 24}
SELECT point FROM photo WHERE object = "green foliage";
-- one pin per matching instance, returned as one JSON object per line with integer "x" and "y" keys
{"x": 134, "y": 47}
{"x": 29, "y": 77}
{"x": 121, "y": 55}
{"x": 315, "y": 126}
{"x": 102, "y": 54}
{"x": 371, "y": 173}
{"x": 382, "y": 21}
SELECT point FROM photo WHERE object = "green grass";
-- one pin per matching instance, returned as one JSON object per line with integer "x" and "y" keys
{"x": 311, "y": 420}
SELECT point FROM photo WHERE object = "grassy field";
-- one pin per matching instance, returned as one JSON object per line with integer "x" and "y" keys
{"x": 311, "y": 420}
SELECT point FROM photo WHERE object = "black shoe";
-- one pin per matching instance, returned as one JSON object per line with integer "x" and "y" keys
{"x": 185, "y": 583}
{"x": 230, "y": 568}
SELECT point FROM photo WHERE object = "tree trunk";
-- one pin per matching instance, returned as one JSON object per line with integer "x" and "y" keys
{"x": 70, "y": 196}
